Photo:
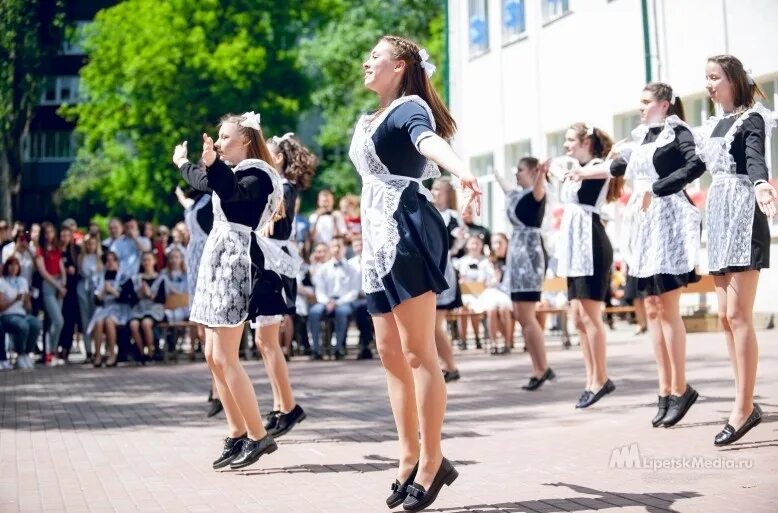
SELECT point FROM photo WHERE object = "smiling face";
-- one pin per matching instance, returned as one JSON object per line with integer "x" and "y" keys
{"x": 651, "y": 109}
{"x": 383, "y": 73}
{"x": 718, "y": 84}
{"x": 581, "y": 150}
{"x": 148, "y": 263}
{"x": 231, "y": 144}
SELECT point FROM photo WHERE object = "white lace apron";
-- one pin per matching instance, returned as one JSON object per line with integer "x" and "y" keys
{"x": 574, "y": 251}
{"x": 197, "y": 238}
{"x": 381, "y": 192}
{"x": 731, "y": 198}
{"x": 526, "y": 261}
{"x": 224, "y": 278}
{"x": 665, "y": 239}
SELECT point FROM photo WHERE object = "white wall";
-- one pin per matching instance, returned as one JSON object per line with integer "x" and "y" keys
{"x": 589, "y": 66}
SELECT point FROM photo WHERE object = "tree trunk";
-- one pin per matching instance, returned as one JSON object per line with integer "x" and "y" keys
{"x": 5, "y": 187}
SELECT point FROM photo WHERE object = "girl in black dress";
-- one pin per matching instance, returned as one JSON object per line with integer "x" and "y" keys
{"x": 527, "y": 260}
{"x": 740, "y": 202}
{"x": 662, "y": 229}
{"x": 584, "y": 252}
{"x": 405, "y": 253}
{"x": 296, "y": 165}
{"x": 232, "y": 284}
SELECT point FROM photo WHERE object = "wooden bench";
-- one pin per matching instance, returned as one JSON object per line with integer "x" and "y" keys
{"x": 557, "y": 284}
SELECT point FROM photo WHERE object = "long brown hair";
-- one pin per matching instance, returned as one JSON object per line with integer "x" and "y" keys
{"x": 257, "y": 149}
{"x": 415, "y": 81}
{"x": 299, "y": 162}
{"x": 601, "y": 144}
{"x": 663, "y": 92}
{"x": 744, "y": 90}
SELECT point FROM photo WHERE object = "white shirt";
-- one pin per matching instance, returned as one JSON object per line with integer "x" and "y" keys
{"x": 26, "y": 261}
{"x": 10, "y": 286}
{"x": 325, "y": 228}
{"x": 336, "y": 280}
{"x": 472, "y": 269}
{"x": 129, "y": 256}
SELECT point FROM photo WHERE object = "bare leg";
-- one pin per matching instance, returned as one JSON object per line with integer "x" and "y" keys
{"x": 402, "y": 397}
{"x": 275, "y": 365}
{"x": 136, "y": 335}
{"x": 97, "y": 337}
{"x": 226, "y": 352}
{"x": 722, "y": 285}
{"x": 595, "y": 331}
{"x": 586, "y": 349}
{"x": 533, "y": 336}
{"x": 658, "y": 342}
{"x": 675, "y": 338}
{"x": 442, "y": 342}
{"x": 740, "y": 314}
{"x": 148, "y": 335}
{"x": 416, "y": 326}
{"x": 110, "y": 334}
{"x": 235, "y": 423}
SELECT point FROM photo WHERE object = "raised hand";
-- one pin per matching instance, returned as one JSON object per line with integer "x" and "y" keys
{"x": 766, "y": 198}
{"x": 472, "y": 192}
{"x": 209, "y": 153}
{"x": 180, "y": 154}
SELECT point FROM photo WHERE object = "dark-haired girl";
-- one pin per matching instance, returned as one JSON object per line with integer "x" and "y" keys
{"x": 740, "y": 202}
{"x": 584, "y": 252}
{"x": 405, "y": 253}
{"x": 526, "y": 207}
{"x": 232, "y": 284}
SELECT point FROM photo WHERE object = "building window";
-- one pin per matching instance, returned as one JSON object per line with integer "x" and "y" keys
{"x": 513, "y": 153}
{"x": 74, "y": 39}
{"x": 623, "y": 124}
{"x": 48, "y": 146}
{"x": 481, "y": 166}
{"x": 514, "y": 22}
{"x": 479, "y": 27}
{"x": 58, "y": 90}
{"x": 553, "y": 9}
{"x": 555, "y": 143}
{"x": 697, "y": 110}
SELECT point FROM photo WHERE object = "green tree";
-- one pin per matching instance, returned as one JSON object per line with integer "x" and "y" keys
{"x": 30, "y": 33}
{"x": 334, "y": 58}
{"x": 162, "y": 72}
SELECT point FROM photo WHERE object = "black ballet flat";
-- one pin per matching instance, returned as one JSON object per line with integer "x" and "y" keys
{"x": 231, "y": 450}
{"x": 679, "y": 405}
{"x": 730, "y": 435}
{"x": 535, "y": 383}
{"x": 252, "y": 450}
{"x": 216, "y": 407}
{"x": 449, "y": 376}
{"x": 606, "y": 389}
{"x": 661, "y": 410}
{"x": 418, "y": 498}
{"x": 400, "y": 490}
{"x": 584, "y": 398}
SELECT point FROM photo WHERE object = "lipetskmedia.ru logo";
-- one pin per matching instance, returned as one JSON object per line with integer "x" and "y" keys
{"x": 629, "y": 457}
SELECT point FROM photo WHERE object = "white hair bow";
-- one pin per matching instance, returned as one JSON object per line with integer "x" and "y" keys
{"x": 250, "y": 120}
{"x": 750, "y": 76}
{"x": 589, "y": 130}
{"x": 286, "y": 136}
{"x": 429, "y": 68}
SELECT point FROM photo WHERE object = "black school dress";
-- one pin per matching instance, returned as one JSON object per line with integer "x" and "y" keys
{"x": 405, "y": 242}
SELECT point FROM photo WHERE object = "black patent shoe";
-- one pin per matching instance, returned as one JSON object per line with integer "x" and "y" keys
{"x": 729, "y": 434}
{"x": 449, "y": 376}
{"x": 606, "y": 389}
{"x": 252, "y": 450}
{"x": 216, "y": 407}
{"x": 535, "y": 383}
{"x": 584, "y": 398}
{"x": 286, "y": 421}
{"x": 231, "y": 450}
{"x": 400, "y": 490}
{"x": 661, "y": 411}
{"x": 418, "y": 498}
{"x": 272, "y": 420}
{"x": 679, "y": 405}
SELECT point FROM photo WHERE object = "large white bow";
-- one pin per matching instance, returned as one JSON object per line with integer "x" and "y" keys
{"x": 429, "y": 68}
{"x": 250, "y": 120}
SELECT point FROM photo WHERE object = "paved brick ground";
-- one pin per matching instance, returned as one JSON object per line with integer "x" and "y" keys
{"x": 128, "y": 439}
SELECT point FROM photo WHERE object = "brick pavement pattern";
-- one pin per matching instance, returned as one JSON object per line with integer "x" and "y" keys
{"x": 83, "y": 440}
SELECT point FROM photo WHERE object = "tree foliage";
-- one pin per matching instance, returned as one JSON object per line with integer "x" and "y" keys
{"x": 30, "y": 33}
{"x": 162, "y": 72}
{"x": 334, "y": 59}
